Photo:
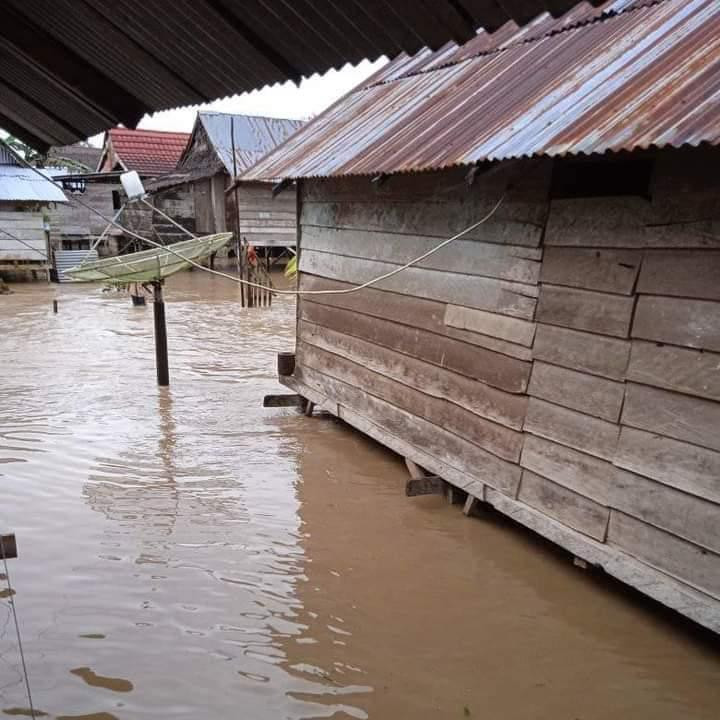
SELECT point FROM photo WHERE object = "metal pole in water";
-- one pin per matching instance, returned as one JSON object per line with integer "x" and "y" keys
{"x": 55, "y": 306}
{"x": 161, "y": 348}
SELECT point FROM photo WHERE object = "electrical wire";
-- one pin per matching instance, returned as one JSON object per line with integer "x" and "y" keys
{"x": 11, "y": 601}
{"x": 344, "y": 291}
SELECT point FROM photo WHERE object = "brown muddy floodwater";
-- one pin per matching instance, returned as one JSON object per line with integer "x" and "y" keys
{"x": 189, "y": 554}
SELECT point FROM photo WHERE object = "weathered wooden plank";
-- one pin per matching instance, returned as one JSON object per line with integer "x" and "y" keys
{"x": 8, "y": 546}
{"x": 612, "y": 271}
{"x": 427, "y": 485}
{"x": 507, "y": 328}
{"x": 439, "y": 218}
{"x": 470, "y": 257}
{"x": 688, "y": 371}
{"x": 685, "y": 515}
{"x": 677, "y": 557}
{"x": 500, "y": 440}
{"x": 500, "y": 296}
{"x": 687, "y": 467}
{"x": 585, "y": 310}
{"x": 571, "y": 428}
{"x": 590, "y": 353}
{"x": 585, "y": 474}
{"x": 460, "y": 357}
{"x": 692, "y": 323}
{"x": 576, "y": 390}
{"x": 417, "y": 312}
{"x": 446, "y": 447}
{"x": 526, "y": 185}
{"x": 680, "y": 417}
{"x": 488, "y": 402}
{"x": 563, "y": 505}
{"x": 631, "y": 222}
{"x": 690, "y": 274}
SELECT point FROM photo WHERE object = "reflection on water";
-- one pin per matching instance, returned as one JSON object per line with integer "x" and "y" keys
{"x": 186, "y": 553}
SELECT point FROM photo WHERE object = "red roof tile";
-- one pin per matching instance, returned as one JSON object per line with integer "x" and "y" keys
{"x": 150, "y": 152}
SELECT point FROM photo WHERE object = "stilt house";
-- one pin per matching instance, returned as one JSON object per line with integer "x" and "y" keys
{"x": 25, "y": 203}
{"x": 561, "y": 361}
{"x": 151, "y": 153}
{"x": 208, "y": 165}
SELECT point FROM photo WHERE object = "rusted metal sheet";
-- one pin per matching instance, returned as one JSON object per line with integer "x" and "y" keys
{"x": 631, "y": 75}
{"x": 71, "y": 69}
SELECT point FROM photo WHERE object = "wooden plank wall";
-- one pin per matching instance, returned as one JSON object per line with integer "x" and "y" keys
{"x": 566, "y": 355}
{"x": 25, "y": 222}
{"x": 265, "y": 221}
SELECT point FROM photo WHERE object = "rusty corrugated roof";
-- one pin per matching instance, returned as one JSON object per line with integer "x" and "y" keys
{"x": 630, "y": 75}
{"x": 72, "y": 68}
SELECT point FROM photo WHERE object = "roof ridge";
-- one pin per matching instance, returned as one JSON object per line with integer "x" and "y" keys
{"x": 249, "y": 115}
{"x": 604, "y": 16}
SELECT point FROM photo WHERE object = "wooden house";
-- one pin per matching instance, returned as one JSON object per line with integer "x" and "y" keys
{"x": 151, "y": 153}
{"x": 25, "y": 203}
{"x": 207, "y": 166}
{"x": 561, "y": 361}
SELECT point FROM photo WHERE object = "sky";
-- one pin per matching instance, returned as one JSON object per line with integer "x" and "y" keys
{"x": 284, "y": 101}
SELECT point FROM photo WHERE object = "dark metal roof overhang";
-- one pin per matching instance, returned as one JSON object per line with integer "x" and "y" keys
{"x": 72, "y": 68}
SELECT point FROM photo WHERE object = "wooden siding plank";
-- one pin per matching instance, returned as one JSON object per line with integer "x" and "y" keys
{"x": 575, "y": 390}
{"x": 585, "y": 310}
{"x": 585, "y": 474}
{"x": 680, "y": 417}
{"x": 470, "y": 257}
{"x": 501, "y": 296}
{"x": 677, "y": 557}
{"x": 691, "y": 274}
{"x": 447, "y": 447}
{"x": 513, "y": 330}
{"x": 686, "y": 467}
{"x": 595, "y": 354}
{"x": 683, "y": 514}
{"x": 497, "y": 439}
{"x": 501, "y": 407}
{"x": 631, "y": 222}
{"x": 582, "y": 432}
{"x": 691, "y": 323}
{"x": 418, "y": 312}
{"x": 688, "y": 371}
{"x": 563, "y": 505}
{"x": 612, "y": 271}
{"x": 469, "y": 360}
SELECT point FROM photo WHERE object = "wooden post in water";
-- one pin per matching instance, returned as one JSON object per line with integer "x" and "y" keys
{"x": 161, "y": 348}
{"x": 240, "y": 260}
{"x": 8, "y": 546}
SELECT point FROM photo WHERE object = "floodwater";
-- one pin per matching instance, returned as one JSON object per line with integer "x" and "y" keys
{"x": 185, "y": 553}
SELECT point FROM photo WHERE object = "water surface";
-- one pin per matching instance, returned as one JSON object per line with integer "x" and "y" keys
{"x": 185, "y": 553}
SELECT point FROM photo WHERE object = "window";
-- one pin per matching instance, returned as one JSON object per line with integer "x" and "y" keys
{"x": 602, "y": 177}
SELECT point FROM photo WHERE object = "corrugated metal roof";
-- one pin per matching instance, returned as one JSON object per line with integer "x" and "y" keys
{"x": 254, "y": 136}
{"x": 149, "y": 152}
{"x": 70, "y": 69}
{"x": 24, "y": 185}
{"x": 632, "y": 75}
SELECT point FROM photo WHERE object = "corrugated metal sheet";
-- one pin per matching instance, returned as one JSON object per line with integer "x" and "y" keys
{"x": 66, "y": 259}
{"x": 648, "y": 74}
{"x": 254, "y": 136}
{"x": 23, "y": 184}
{"x": 71, "y": 68}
